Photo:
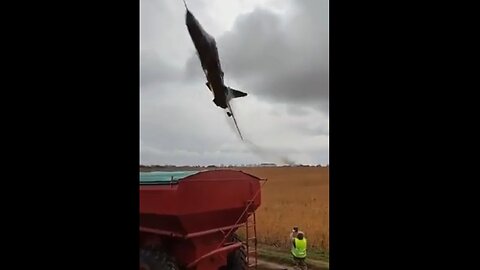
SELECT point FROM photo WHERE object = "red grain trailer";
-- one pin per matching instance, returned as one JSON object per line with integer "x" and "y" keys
{"x": 188, "y": 219}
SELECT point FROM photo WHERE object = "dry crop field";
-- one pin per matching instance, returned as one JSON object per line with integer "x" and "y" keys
{"x": 293, "y": 196}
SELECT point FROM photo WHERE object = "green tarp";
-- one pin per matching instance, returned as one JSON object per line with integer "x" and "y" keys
{"x": 163, "y": 177}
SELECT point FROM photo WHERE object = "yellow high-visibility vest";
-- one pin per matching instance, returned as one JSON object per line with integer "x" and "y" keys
{"x": 300, "y": 249}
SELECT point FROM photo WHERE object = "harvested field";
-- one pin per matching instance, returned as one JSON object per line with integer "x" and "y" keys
{"x": 293, "y": 196}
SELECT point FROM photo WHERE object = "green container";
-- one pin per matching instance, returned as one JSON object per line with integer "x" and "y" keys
{"x": 159, "y": 178}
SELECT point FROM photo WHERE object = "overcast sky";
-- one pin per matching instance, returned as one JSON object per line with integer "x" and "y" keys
{"x": 274, "y": 50}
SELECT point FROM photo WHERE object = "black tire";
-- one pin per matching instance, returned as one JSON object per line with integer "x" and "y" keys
{"x": 237, "y": 259}
{"x": 156, "y": 260}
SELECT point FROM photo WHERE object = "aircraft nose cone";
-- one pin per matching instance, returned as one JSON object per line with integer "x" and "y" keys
{"x": 189, "y": 17}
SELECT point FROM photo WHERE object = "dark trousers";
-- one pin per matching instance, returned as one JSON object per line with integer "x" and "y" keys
{"x": 300, "y": 263}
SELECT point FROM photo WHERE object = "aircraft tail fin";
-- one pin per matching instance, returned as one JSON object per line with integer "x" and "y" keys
{"x": 237, "y": 93}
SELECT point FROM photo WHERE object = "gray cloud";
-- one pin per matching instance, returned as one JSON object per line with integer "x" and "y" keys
{"x": 279, "y": 58}
{"x": 154, "y": 69}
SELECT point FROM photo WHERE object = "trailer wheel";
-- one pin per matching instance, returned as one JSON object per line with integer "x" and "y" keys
{"x": 156, "y": 260}
{"x": 237, "y": 259}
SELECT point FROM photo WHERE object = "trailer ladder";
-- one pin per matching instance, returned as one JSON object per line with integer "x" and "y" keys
{"x": 251, "y": 236}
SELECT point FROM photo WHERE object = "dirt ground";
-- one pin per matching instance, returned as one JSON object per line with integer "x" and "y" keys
{"x": 313, "y": 265}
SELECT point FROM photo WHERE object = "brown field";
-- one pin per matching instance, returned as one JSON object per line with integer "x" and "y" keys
{"x": 293, "y": 196}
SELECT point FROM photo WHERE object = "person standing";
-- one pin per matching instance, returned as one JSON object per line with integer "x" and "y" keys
{"x": 299, "y": 250}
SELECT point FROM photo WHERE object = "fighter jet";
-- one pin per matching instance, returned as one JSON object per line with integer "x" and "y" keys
{"x": 208, "y": 54}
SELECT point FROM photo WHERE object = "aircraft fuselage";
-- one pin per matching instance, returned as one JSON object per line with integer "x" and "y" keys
{"x": 210, "y": 61}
